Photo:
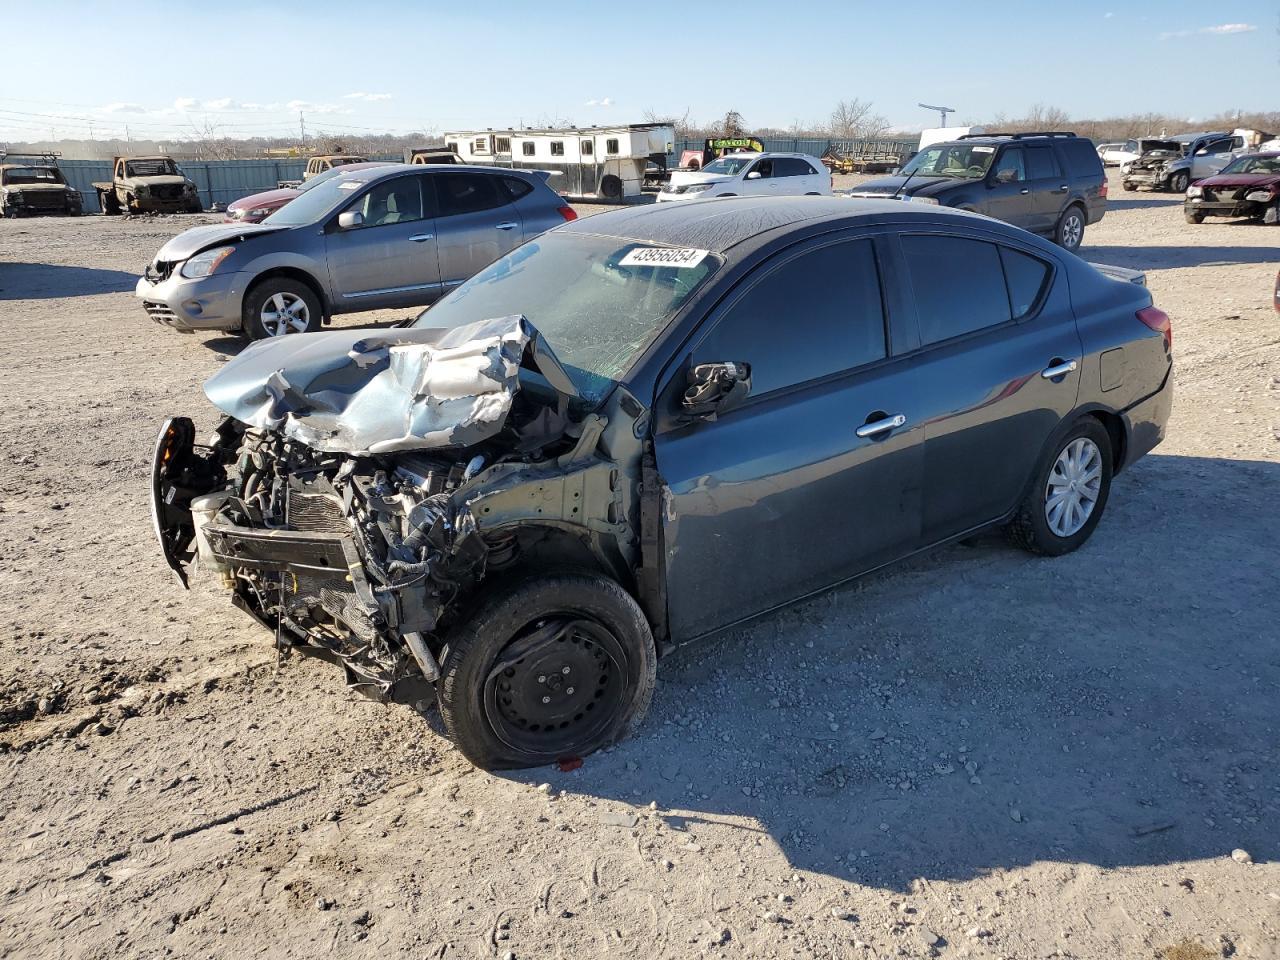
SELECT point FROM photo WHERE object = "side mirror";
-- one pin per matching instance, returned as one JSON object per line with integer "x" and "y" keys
{"x": 715, "y": 388}
{"x": 1202, "y": 152}
{"x": 350, "y": 219}
{"x": 1005, "y": 176}
{"x": 753, "y": 175}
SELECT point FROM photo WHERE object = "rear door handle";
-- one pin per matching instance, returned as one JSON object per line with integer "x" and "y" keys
{"x": 507, "y": 226}
{"x": 1025, "y": 190}
{"x": 420, "y": 237}
{"x": 1060, "y": 370}
{"x": 878, "y": 427}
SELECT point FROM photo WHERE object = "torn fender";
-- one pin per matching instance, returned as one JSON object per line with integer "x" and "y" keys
{"x": 360, "y": 392}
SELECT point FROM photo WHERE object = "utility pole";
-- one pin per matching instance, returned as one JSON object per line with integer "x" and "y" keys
{"x": 942, "y": 111}
{"x": 302, "y": 129}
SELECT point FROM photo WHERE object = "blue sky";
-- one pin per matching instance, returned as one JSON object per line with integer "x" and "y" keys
{"x": 245, "y": 68}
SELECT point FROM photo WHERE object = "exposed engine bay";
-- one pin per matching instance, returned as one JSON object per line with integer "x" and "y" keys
{"x": 1151, "y": 169}
{"x": 364, "y": 486}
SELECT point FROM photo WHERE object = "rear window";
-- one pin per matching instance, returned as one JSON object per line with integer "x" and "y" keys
{"x": 1025, "y": 276}
{"x": 1081, "y": 160}
{"x": 468, "y": 193}
{"x": 517, "y": 187}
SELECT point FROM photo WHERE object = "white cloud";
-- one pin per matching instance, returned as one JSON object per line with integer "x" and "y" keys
{"x": 369, "y": 97}
{"x": 186, "y": 104}
{"x": 600, "y": 102}
{"x": 1220, "y": 30}
{"x": 1108, "y": 15}
{"x": 123, "y": 108}
{"x": 306, "y": 106}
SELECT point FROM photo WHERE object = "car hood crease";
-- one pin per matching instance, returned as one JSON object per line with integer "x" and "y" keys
{"x": 360, "y": 392}
{"x": 190, "y": 242}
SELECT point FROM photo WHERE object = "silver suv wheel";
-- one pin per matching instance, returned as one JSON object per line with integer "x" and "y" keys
{"x": 284, "y": 313}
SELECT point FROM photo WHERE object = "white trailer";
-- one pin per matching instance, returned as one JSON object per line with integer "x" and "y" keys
{"x": 591, "y": 163}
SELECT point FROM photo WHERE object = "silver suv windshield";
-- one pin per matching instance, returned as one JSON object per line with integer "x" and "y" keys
{"x": 319, "y": 199}
{"x": 1269, "y": 165}
{"x": 964, "y": 161}
{"x": 595, "y": 303}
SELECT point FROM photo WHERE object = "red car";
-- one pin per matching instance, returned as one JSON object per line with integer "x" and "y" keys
{"x": 1248, "y": 187}
{"x": 259, "y": 206}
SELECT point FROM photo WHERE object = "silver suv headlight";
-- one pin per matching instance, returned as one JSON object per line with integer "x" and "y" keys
{"x": 205, "y": 262}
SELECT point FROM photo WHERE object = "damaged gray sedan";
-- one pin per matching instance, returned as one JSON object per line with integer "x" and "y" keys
{"x": 641, "y": 428}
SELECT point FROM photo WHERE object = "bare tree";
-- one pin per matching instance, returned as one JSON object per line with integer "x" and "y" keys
{"x": 853, "y": 120}
{"x": 733, "y": 125}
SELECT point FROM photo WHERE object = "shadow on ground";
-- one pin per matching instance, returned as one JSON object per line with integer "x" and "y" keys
{"x": 1144, "y": 204}
{"x": 844, "y": 725}
{"x": 51, "y": 281}
{"x": 1173, "y": 257}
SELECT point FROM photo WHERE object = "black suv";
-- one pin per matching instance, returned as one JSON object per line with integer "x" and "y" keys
{"x": 1052, "y": 184}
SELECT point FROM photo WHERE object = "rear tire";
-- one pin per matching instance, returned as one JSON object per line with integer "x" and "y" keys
{"x": 1066, "y": 502}
{"x": 278, "y": 307}
{"x": 580, "y": 638}
{"x": 611, "y": 187}
{"x": 110, "y": 204}
{"x": 1069, "y": 233}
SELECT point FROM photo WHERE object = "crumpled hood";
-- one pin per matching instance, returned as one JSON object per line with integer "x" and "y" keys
{"x": 192, "y": 241}
{"x": 378, "y": 391}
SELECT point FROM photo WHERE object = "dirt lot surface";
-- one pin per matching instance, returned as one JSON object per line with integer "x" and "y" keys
{"x": 974, "y": 754}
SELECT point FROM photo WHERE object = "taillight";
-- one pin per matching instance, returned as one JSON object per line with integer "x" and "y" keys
{"x": 568, "y": 213}
{"x": 1105, "y": 187}
{"x": 1158, "y": 320}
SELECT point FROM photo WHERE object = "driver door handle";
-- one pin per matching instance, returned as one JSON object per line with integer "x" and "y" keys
{"x": 1060, "y": 370}
{"x": 420, "y": 237}
{"x": 877, "y": 427}
{"x": 1025, "y": 190}
{"x": 509, "y": 225}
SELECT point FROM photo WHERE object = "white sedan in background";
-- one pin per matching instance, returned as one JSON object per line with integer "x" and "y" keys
{"x": 751, "y": 174}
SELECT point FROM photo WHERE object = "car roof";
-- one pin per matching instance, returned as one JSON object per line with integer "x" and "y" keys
{"x": 720, "y": 224}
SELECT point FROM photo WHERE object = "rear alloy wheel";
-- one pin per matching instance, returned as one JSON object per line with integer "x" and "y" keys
{"x": 1179, "y": 181}
{"x": 548, "y": 668}
{"x": 1069, "y": 493}
{"x": 276, "y": 308}
{"x": 1070, "y": 232}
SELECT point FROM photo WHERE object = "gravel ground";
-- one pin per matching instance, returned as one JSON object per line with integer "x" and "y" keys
{"x": 977, "y": 753}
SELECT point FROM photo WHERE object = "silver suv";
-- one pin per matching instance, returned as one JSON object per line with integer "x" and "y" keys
{"x": 392, "y": 236}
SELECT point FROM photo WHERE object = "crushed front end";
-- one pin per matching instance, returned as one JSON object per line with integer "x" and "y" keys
{"x": 1151, "y": 170}
{"x": 359, "y": 492}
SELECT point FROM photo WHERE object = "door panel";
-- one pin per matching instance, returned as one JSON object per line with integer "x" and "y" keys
{"x": 390, "y": 260}
{"x": 476, "y": 223}
{"x": 986, "y": 407}
{"x": 1049, "y": 187}
{"x": 1010, "y": 201}
{"x": 782, "y": 497}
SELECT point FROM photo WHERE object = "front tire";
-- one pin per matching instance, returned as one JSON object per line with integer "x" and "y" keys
{"x": 548, "y": 667}
{"x": 1193, "y": 216}
{"x": 1069, "y": 233}
{"x": 1179, "y": 181}
{"x": 110, "y": 204}
{"x": 278, "y": 307}
{"x": 1069, "y": 492}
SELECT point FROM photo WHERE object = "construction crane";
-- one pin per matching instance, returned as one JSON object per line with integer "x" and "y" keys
{"x": 942, "y": 111}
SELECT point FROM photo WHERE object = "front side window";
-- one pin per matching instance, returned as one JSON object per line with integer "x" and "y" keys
{"x": 958, "y": 284}
{"x": 818, "y": 314}
{"x": 727, "y": 166}
{"x": 1011, "y": 167}
{"x": 597, "y": 315}
{"x": 1218, "y": 146}
{"x": 392, "y": 201}
{"x": 468, "y": 193}
{"x": 763, "y": 167}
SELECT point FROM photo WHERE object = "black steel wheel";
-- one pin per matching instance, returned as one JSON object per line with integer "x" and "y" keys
{"x": 548, "y": 667}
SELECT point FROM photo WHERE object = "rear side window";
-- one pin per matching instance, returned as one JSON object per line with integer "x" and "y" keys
{"x": 1025, "y": 276}
{"x": 1040, "y": 164}
{"x": 1081, "y": 159}
{"x": 516, "y": 187}
{"x": 818, "y": 314}
{"x": 958, "y": 284}
{"x": 468, "y": 193}
{"x": 792, "y": 167}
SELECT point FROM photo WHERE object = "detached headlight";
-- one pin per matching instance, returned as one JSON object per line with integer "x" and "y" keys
{"x": 1194, "y": 191}
{"x": 203, "y": 264}
{"x": 1260, "y": 196}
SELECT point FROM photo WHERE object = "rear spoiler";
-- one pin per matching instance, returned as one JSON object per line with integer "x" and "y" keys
{"x": 1121, "y": 273}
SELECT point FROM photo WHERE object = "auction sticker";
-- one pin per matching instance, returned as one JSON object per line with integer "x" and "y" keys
{"x": 663, "y": 257}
